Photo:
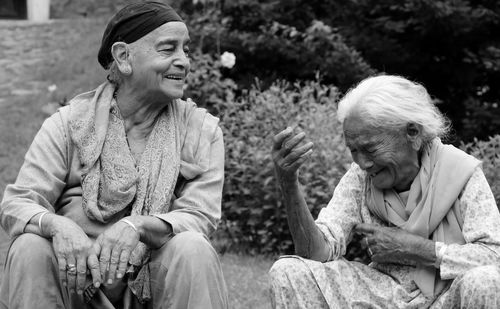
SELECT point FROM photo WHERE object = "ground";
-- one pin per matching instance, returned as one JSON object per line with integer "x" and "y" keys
{"x": 34, "y": 56}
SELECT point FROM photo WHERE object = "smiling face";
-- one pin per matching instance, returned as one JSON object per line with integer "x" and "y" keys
{"x": 387, "y": 157}
{"x": 160, "y": 61}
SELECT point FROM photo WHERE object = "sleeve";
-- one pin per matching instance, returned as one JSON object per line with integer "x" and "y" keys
{"x": 41, "y": 178}
{"x": 338, "y": 218}
{"x": 197, "y": 206}
{"x": 481, "y": 230}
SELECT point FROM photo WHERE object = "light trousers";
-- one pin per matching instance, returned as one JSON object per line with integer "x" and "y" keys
{"x": 344, "y": 284}
{"x": 185, "y": 273}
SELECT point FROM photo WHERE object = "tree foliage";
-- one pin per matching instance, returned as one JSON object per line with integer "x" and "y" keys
{"x": 451, "y": 46}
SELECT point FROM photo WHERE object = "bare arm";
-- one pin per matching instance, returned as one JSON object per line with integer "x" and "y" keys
{"x": 288, "y": 156}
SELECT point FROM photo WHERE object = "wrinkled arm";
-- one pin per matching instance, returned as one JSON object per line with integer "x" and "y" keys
{"x": 308, "y": 240}
{"x": 481, "y": 230}
{"x": 197, "y": 206}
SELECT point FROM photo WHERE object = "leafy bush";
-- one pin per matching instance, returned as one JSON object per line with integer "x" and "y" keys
{"x": 489, "y": 153}
{"x": 207, "y": 85}
{"x": 254, "y": 217}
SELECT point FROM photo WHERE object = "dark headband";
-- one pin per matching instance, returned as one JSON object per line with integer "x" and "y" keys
{"x": 132, "y": 23}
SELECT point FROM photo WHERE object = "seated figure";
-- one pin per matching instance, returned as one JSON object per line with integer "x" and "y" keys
{"x": 120, "y": 189}
{"x": 424, "y": 211}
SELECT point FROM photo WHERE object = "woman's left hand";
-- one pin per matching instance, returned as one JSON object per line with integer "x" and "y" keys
{"x": 392, "y": 245}
{"x": 113, "y": 247}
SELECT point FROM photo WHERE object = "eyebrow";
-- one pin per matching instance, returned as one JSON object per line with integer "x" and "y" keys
{"x": 170, "y": 41}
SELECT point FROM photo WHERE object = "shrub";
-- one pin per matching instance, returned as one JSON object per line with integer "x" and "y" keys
{"x": 489, "y": 153}
{"x": 254, "y": 217}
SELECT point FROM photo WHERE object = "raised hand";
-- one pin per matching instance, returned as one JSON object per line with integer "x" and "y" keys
{"x": 289, "y": 153}
{"x": 114, "y": 247}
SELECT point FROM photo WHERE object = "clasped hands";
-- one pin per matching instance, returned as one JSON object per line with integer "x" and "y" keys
{"x": 106, "y": 258}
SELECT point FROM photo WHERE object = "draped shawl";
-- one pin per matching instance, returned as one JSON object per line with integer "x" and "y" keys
{"x": 113, "y": 182}
{"x": 433, "y": 208}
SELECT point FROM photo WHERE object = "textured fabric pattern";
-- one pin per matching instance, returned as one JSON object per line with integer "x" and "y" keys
{"x": 301, "y": 283}
{"x": 344, "y": 284}
{"x": 112, "y": 180}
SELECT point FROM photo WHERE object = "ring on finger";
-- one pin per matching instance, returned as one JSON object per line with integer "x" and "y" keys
{"x": 71, "y": 269}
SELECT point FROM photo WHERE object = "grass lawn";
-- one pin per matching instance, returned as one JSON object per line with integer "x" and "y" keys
{"x": 68, "y": 59}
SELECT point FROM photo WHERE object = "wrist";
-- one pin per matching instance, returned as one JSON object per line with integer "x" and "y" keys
{"x": 135, "y": 222}
{"x": 50, "y": 224}
{"x": 288, "y": 183}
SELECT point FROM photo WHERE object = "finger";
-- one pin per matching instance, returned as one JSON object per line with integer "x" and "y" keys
{"x": 71, "y": 274}
{"x": 365, "y": 229}
{"x": 93, "y": 266}
{"x": 104, "y": 261}
{"x": 297, "y": 153}
{"x": 122, "y": 267}
{"x": 81, "y": 274}
{"x": 297, "y": 163}
{"x": 113, "y": 263}
{"x": 292, "y": 142}
{"x": 61, "y": 261}
{"x": 280, "y": 137}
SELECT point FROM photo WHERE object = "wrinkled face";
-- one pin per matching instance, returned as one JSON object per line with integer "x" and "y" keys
{"x": 160, "y": 61}
{"x": 387, "y": 157}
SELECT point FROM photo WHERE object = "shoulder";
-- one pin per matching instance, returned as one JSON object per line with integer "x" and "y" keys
{"x": 195, "y": 120}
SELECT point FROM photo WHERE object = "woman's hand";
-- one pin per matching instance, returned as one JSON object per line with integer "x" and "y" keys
{"x": 392, "y": 245}
{"x": 74, "y": 253}
{"x": 289, "y": 153}
{"x": 114, "y": 247}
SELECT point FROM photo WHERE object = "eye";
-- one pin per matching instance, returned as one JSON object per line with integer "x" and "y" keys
{"x": 187, "y": 51}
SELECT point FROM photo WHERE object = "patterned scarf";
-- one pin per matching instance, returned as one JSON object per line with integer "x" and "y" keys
{"x": 111, "y": 181}
{"x": 433, "y": 209}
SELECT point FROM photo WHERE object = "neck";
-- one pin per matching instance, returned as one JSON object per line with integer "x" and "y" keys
{"x": 139, "y": 110}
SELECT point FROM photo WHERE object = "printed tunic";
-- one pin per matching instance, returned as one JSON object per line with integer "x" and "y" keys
{"x": 343, "y": 284}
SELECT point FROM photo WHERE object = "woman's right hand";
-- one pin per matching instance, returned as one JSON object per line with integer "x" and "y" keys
{"x": 289, "y": 153}
{"x": 74, "y": 253}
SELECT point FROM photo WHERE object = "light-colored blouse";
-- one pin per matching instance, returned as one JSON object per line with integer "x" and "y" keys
{"x": 481, "y": 225}
{"x": 50, "y": 179}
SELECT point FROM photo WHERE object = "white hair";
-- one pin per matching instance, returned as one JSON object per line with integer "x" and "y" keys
{"x": 389, "y": 102}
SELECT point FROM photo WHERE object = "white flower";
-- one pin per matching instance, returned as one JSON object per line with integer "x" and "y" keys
{"x": 228, "y": 60}
{"x": 52, "y": 88}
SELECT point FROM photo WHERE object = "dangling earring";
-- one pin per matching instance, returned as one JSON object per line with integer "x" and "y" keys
{"x": 127, "y": 70}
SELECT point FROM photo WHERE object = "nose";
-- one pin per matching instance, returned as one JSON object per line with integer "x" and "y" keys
{"x": 363, "y": 162}
{"x": 182, "y": 60}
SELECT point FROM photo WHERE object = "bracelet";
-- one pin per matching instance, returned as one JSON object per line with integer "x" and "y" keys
{"x": 40, "y": 221}
{"x": 130, "y": 224}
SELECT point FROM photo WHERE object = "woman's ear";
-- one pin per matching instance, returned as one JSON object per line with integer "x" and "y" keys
{"x": 414, "y": 135}
{"x": 121, "y": 53}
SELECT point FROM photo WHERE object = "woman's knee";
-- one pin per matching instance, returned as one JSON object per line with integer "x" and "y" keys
{"x": 30, "y": 248}
{"x": 482, "y": 280}
{"x": 187, "y": 246}
{"x": 287, "y": 267}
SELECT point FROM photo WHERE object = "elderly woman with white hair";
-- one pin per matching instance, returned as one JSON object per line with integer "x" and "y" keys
{"x": 426, "y": 213}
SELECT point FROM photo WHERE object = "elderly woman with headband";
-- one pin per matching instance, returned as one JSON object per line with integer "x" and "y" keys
{"x": 120, "y": 189}
{"x": 427, "y": 215}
